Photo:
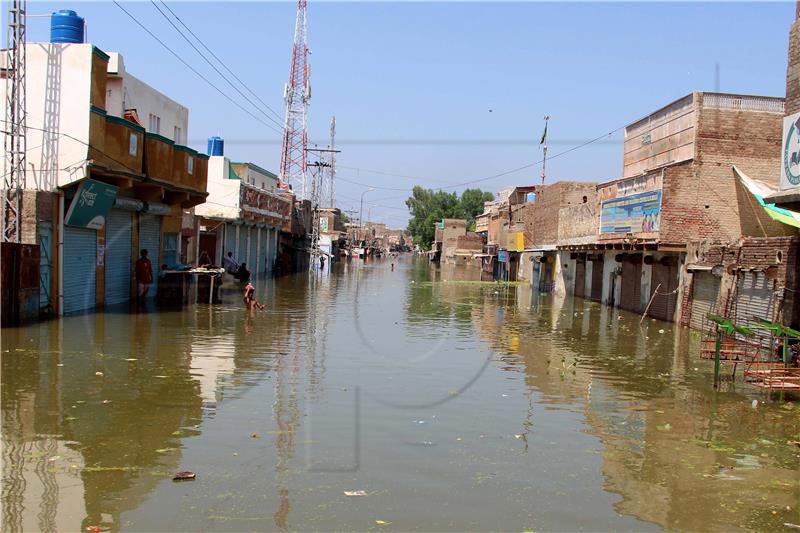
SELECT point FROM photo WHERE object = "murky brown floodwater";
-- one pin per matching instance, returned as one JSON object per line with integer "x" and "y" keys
{"x": 454, "y": 405}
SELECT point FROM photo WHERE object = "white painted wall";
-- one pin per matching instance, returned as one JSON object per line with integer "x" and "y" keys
{"x": 125, "y": 91}
{"x": 223, "y": 193}
{"x": 610, "y": 265}
{"x": 59, "y": 103}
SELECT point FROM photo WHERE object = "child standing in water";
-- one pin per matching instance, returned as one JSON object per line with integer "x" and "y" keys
{"x": 250, "y": 297}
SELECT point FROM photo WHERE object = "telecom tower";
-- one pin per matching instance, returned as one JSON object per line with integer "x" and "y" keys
{"x": 15, "y": 124}
{"x": 332, "y": 170}
{"x": 297, "y": 94}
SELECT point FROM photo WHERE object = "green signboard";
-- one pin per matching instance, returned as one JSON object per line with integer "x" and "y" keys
{"x": 91, "y": 204}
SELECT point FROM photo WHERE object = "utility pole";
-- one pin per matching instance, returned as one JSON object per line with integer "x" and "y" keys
{"x": 543, "y": 144}
{"x": 318, "y": 172}
{"x": 15, "y": 124}
{"x": 297, "y": 94}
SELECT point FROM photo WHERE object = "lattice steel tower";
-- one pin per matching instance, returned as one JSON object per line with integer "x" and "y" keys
{"x": 297, "y": 94}
{"x": 332, "y": 170}
{"x": 15, "y": 123}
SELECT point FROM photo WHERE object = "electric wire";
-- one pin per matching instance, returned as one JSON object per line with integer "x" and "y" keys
{"x": 190, "y": 67}
{"x": 233, "y": 85}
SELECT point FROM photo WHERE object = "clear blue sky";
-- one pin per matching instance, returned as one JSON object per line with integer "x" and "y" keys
{"x": 411, "y": 84}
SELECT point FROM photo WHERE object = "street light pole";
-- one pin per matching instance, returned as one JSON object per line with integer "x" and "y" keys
{"x": 361, "y": 210}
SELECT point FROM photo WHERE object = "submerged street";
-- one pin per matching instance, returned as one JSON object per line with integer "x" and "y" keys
{"x": 453, "y": 404}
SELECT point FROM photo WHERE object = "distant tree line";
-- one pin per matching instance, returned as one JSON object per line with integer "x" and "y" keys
{"x": 427, "y": 207}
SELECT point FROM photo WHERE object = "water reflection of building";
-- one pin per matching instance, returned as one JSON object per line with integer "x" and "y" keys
{"x": 91, "y": 415}
{"x": 679, "y": 454}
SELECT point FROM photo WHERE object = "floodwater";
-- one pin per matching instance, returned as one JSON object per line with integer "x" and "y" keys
{"x": 454, "y": 405}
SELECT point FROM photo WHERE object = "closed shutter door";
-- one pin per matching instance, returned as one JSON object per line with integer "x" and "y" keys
{"x": 631, "y": 284}
{"x": 705, "y": 292}
{"x": 230, "y": 242}
{"x": 150, "y": 240}
{"x": 80, "y": 258}
{"x": 45, "y": 263}
{"x": 241, "y": 254}
{"x": 597, "y": 280}
{"x": 262, "y": 250}
{"x": 118, "y": 256}
{"x": 665, "y": 279}
{"x": 580, "y": 276}
{"x": 754, "y": 299}
{"x": 252, "y": 259}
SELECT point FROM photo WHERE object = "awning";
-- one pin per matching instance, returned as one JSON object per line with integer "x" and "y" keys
{"x": 760, "y": 191}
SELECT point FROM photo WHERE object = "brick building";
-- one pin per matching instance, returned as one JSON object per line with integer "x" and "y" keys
{"x": 685, "y": 169}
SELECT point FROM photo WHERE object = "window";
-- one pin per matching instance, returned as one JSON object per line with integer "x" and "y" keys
{"x": 190, "y": 165}
{"x": 155, "y": 123}
{"x": 176, "y": 135}
{"x": 133, "y": 146}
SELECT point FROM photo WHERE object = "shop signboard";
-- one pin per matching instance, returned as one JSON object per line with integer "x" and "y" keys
{"x": 637, "y": 213}
{"x": 92, "y": 202}
{"x": 790, "y": 153}
{"x": 502, "y": 256}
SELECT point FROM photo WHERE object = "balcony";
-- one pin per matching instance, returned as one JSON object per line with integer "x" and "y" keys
{"x": 115, "y": 146}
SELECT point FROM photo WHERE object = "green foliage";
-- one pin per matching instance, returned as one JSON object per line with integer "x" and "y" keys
{"x": 344, "y": 218}
{"x": 428, "y": 208}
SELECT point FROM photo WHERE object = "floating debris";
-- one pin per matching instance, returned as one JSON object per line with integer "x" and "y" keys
{"x": 98, "y": 373}
{"x": 254, "y": 436}
{"x": 355, "y": 493}
{"x": 184, "y": 476}
{"x": 382, "y": 522}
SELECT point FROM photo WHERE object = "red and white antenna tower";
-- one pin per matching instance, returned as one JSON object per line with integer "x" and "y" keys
{"x": 297, "y": 94}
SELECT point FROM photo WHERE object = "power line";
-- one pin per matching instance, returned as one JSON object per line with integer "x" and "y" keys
{"x": 493, "y": 176}
{"x": 190, "y": 67}
{"x": 280, "y": 125}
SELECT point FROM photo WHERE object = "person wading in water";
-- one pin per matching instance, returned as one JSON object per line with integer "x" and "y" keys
{"x": 250, "y": 297}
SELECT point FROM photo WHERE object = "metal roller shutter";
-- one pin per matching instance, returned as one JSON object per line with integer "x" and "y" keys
{"x": 631, "y": 284}
{"x": 665, "y": 278}
{"x": 754, "y": 298}
{"x": 272, "y": 248}
{"x": 262, "y": 251}
{"x": 230, "y": 242}
{"x": 580, "y": 276}
{"x": 241, "y": 254}
{"x": 119, "y": 230}
{"x": 705, "y": 292}
{"x": 597, "y": 279}
{"x": 252, "y": 259}
{"x": 150, "y": 240}
{"x": 80, "y": 258}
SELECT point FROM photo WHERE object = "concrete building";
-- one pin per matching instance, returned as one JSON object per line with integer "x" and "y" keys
{"x": 243, "y": 214}
{"x": 100, "y": 184}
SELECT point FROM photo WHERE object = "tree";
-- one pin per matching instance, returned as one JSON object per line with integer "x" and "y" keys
{"x": 471, "y": 205}
{"x": 428, "y": 208}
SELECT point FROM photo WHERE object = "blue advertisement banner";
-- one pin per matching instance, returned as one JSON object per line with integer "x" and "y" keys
{"x": 502, "y": 256}
{"x": 638, "y": 213}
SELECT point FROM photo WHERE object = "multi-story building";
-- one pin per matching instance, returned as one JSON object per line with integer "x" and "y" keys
{"x": 243, "y": 214}
{"x": 102, "y": 181}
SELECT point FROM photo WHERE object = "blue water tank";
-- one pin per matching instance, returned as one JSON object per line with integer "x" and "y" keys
{"x": 530, "y": 197}
{"x": 216, "y": 146}
{"x": 66, "y": 27}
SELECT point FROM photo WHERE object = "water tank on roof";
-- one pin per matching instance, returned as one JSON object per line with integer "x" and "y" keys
{"x": 216, "y": 146}
{"x": 66, "y": 27}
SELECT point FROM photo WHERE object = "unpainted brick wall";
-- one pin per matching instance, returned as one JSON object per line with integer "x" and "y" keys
{"x": 702, "y": 198}
{"x": 550, "y": 201}
{"x": 793, "y": 67}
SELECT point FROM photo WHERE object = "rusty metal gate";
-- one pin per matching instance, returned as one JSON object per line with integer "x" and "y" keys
{"x": 705, "y": 292}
